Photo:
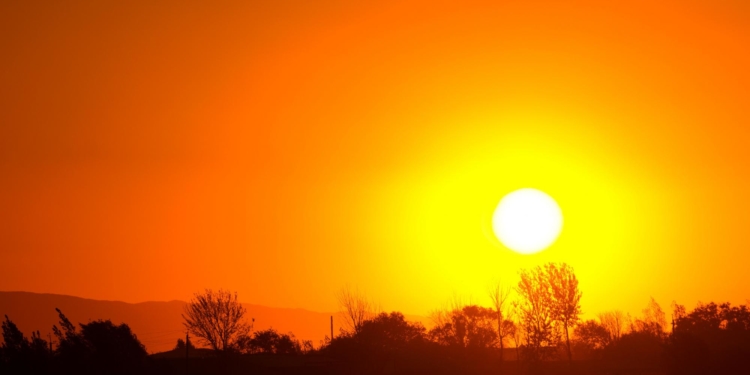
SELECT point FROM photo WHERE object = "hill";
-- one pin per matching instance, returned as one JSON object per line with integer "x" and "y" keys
{"x": 157, "y": 324}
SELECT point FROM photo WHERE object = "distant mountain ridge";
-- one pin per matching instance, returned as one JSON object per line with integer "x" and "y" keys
{"x": 158, "y": 325}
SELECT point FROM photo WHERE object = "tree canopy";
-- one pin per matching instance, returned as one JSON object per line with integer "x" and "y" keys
{"x": 217, "y": 319}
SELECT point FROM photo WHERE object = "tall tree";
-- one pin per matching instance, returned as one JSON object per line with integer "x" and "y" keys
{"x": 535, "y": 309}
{"x": 216, "y": 318}
{"x": 566, "y": 298}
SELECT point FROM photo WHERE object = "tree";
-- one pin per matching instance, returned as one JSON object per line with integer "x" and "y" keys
{"x": 505, "y": 327}
{"x": 389, "y": 332}
{"x": 217, "y": 319}
{"x": 113, "y": 347}
{"x": 355, "y": 308}
{"x": 549, "y": 305}
{"x": 71, "y": 348}
{"x": 19, "y": 354}
{"x": 591, "y": 336}
{"x": 384, "y": 343}
{"x": 271, "y": 342}
{"x": 181, "y": 345}
{"x": 536, "y": 314}
{"x": 566, "y": 298}
{"x": 468, "y": 327}
{"x": 99, "y": 347}
{"x": 614, "y": 322}
{"x": 653, "y": 322}
{"x": 718, "y": 333}
{"x": 14, "y": 343}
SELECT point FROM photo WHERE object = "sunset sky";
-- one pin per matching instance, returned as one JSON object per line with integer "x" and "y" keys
{"x": 285, "y": 149}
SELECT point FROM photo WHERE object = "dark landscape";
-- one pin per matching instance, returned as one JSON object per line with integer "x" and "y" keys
{"x": 539, "y": 332}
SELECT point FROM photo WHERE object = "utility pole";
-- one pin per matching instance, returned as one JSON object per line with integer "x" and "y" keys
{"x": 49, "y": 336}
{"x": 331, "y": 328}
{"x": 187, "y": 348}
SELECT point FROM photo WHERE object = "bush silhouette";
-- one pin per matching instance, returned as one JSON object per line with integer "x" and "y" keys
{"x": 101, "y": 347}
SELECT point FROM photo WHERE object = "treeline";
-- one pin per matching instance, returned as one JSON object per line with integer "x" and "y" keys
{"x": 533, "y": 327}
{"x": 97, "y": 347}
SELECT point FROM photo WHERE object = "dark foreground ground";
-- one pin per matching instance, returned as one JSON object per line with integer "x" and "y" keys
{"x": 320, "y": 365}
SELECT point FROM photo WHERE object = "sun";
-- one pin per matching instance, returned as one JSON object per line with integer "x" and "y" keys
{"x": 527, "y": 221}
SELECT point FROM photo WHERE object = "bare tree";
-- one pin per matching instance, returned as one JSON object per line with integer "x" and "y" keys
{"x": 499, "y": 296}
{"x": 355, "y": 308}
{"x": 654, "y": 320}
{"x": 217, "y": 318}
{"x": 535, "y": 313}
{"x": 566, "y": 298}
{"x": 614, "y": 322}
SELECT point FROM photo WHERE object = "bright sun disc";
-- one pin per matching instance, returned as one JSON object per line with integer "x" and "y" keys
{"x": 527, "y": 221}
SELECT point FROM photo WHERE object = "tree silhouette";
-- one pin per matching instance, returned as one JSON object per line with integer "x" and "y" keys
{"x": 614, "y": 322}
{"x": 468, "y": 327}
{"x": 100, "y": 347}
{"x": 217, "y": 318}
{"x": 653, "y": 322}
{"x": 591, "y": 337}
{"x": 390, "y": 331}
{"x": 549, "y": 305}
{"x": 270, "y": 342}
{"x": 712, "y": 316}
{"x": 566, "y": 298}
{"x": 537, "y": 317}
{"x": 112, "y": 347}
{"x": 181, "y": 344}
{"x": 71, "y": 348}
{"x": 713, "y": 337}
{"x": 22, "y": 355}
{"x": 14, "y": 343}
{"x": 636, "y": 348}
{"x": 383, "y": 343}
{"x": 355, "y": 308}
{"x": 505, "y": 327}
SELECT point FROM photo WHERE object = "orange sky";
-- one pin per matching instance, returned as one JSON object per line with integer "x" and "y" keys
{"x": 284, "y": 149}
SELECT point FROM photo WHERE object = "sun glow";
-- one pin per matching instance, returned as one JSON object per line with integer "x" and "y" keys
{"x": 527, "y": 221}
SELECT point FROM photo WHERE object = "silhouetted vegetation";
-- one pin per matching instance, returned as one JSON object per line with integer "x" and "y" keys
{"x": 711, "y": 339}
{"x": 182, "y": 345}
{"x": 506, "y": 328}
{"x": 541, "y": 325}
{"x": 271, "y": 342}
{"x": 100, "y": 347}
{"x": 549, "y": 306}
{"x": 23, "y": 355}
{"x": 217, "y": 319}
{"x": 355, "y": 308}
